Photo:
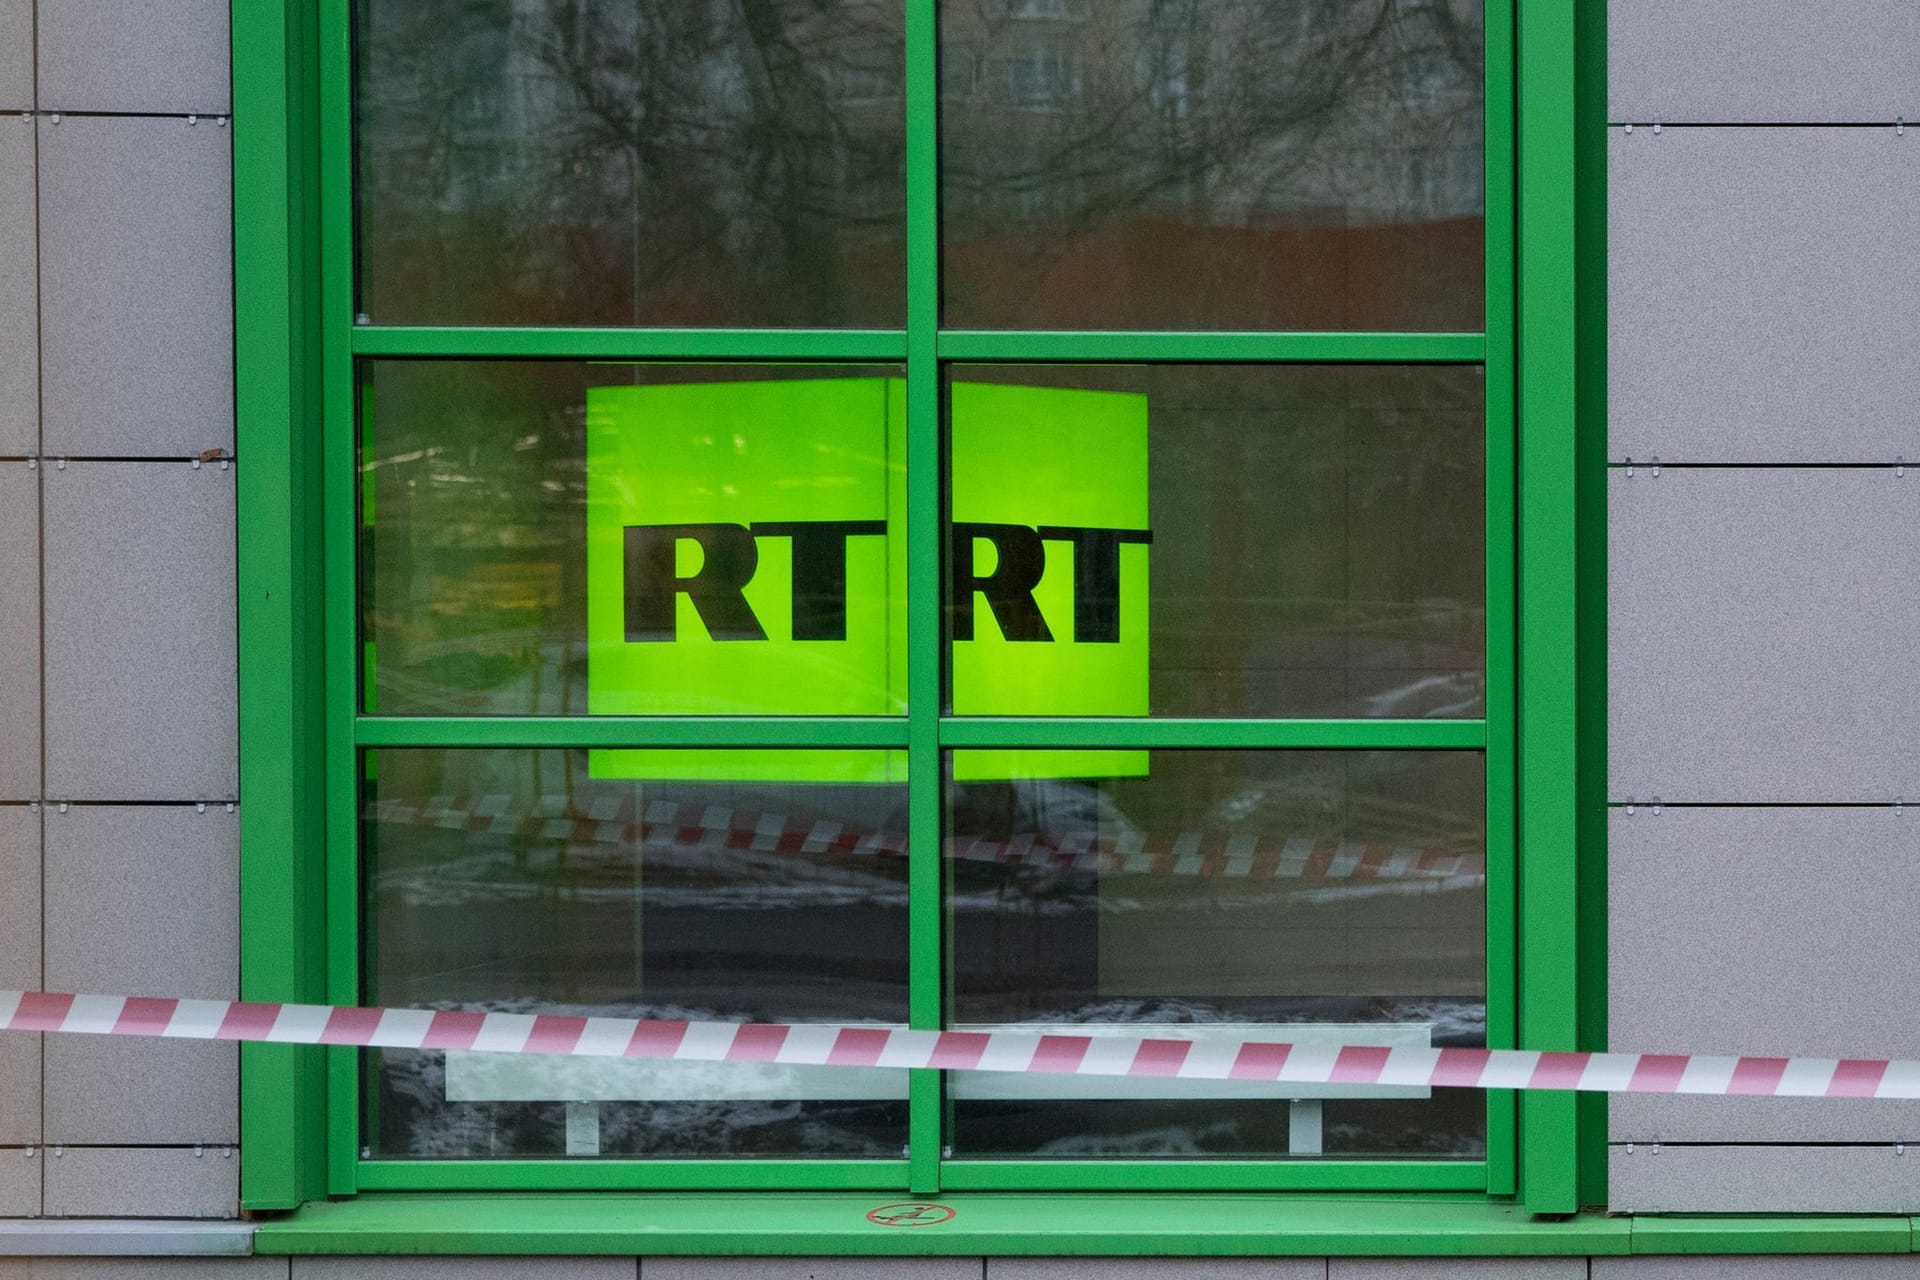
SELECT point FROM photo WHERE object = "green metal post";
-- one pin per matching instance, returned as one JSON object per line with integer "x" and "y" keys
{"x": 281, "y": 832}
{"x": 1548, "y": 885}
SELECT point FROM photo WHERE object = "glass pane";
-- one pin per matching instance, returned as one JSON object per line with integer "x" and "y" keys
{"x": 630, "y": 162}
{"x": 1315, "y": 536}
{"x": 564, "y": 538}
{"x": 1309, "y": 897}
{"x": 1213, "y": 164}
{"x": 651, "y": 884}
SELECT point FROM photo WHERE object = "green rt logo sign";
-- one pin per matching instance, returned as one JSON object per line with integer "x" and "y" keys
{"x": 746, "y": 554}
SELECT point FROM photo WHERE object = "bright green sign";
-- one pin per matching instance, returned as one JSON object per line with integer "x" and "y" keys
{"x": 746, "y": 555}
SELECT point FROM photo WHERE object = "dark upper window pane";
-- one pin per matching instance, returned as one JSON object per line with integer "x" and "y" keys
{"x": 1213, "y": 164}
{"x": 631, "y": 162}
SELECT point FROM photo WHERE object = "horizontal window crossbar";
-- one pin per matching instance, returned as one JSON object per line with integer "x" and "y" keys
{"x": 631, "y": 344}
{"x": 853, "y": 732}
{"x": 1291, "y": 348}
{"x": 1342, "y": 735}
{"x": 1011, "y": 346}
{"x": 629, "y": 731}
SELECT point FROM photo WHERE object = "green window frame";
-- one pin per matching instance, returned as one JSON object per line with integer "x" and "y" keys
{"x": 302, "y": 733}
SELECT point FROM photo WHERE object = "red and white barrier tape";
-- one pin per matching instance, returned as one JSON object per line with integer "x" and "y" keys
{"x": 1191, "y": 853}
{"x": 1010, "y": 1051}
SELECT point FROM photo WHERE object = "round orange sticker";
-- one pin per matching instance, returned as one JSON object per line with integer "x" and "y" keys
{"x": 910, "y": 1215}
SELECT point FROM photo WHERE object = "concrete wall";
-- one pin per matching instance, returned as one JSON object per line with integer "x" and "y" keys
{"x": 1761, "y": 616}
{"x": 118, "y": 753}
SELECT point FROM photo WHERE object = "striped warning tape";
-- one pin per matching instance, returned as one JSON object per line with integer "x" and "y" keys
{"x": 1008, "y": 1051}
{"x": 1214, "y": 854}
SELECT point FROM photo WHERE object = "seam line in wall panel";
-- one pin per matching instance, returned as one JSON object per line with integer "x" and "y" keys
{"x": 1651, "y": 799}
{"x": 215, "y": 1148}
{"x": 1664, "y": 1143}
{"x": 40, "y": 550}
{"x": 1653, "y": 460}
{"x": 184, "y": 459}
{"x": 1889, "y": 123}
{"x": 211, "y": 804}
{"x": 219, "y": 113}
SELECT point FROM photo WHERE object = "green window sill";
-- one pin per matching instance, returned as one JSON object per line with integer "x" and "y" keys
{"x": 835, "y": 1223}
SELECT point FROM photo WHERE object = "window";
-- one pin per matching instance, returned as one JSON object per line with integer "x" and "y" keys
{"x": 826, "y": 545}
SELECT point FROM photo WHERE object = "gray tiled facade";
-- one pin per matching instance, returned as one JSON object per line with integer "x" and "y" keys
{"x": 1756, "y": 655}
{"x": 117, "y": 698}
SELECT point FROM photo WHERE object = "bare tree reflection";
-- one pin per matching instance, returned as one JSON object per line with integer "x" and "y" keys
{"x": 1213, "y": 163}
{"x": 728, "y": 161}
{"x": 1262, "y": 163}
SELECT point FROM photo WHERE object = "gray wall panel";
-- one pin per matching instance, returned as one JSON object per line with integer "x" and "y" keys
{"x": 1154, "y": 1269}
{"x": 1763, "y": 60}
{"x": 1762, "y": 1180}
{"x": 143, "y": 1269}
{"x": 810, "y": 1269}
{"x": 105, "y": 1090}
{"x": 1760, "y": 635}
{"x": 141, "y": 1182}
{"x": 142, "y": 901}
{"x": 132, "y": 1241}
{"x": 16, "y": 55}
{"x": 19, "y": 971}
{"x": 141, "y": 56}
{"x": 140, "y": 617}
{"x": 20, "y": 1183}
{"x": 465, "y": 1268}
{"x": 1710, "y": 1266}
{"x": 19, "y": 287}
{"x": 1456, "y": 1269}
{"x": 1758, "y": 309}
{"x": 19, "y": 632}
{"x": 136, "y": 282}
{"x": 1753, "y": 966}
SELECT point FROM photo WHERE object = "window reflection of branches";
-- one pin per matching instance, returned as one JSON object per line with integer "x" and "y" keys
{"x": 586, "y": 161}
{"x": 1252, "y": 142}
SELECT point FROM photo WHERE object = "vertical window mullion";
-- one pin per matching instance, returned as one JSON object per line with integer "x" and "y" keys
{"x": 341, "y": 550}
{"x": 1502, "y": 689}
{"x": 923, "y": 579}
